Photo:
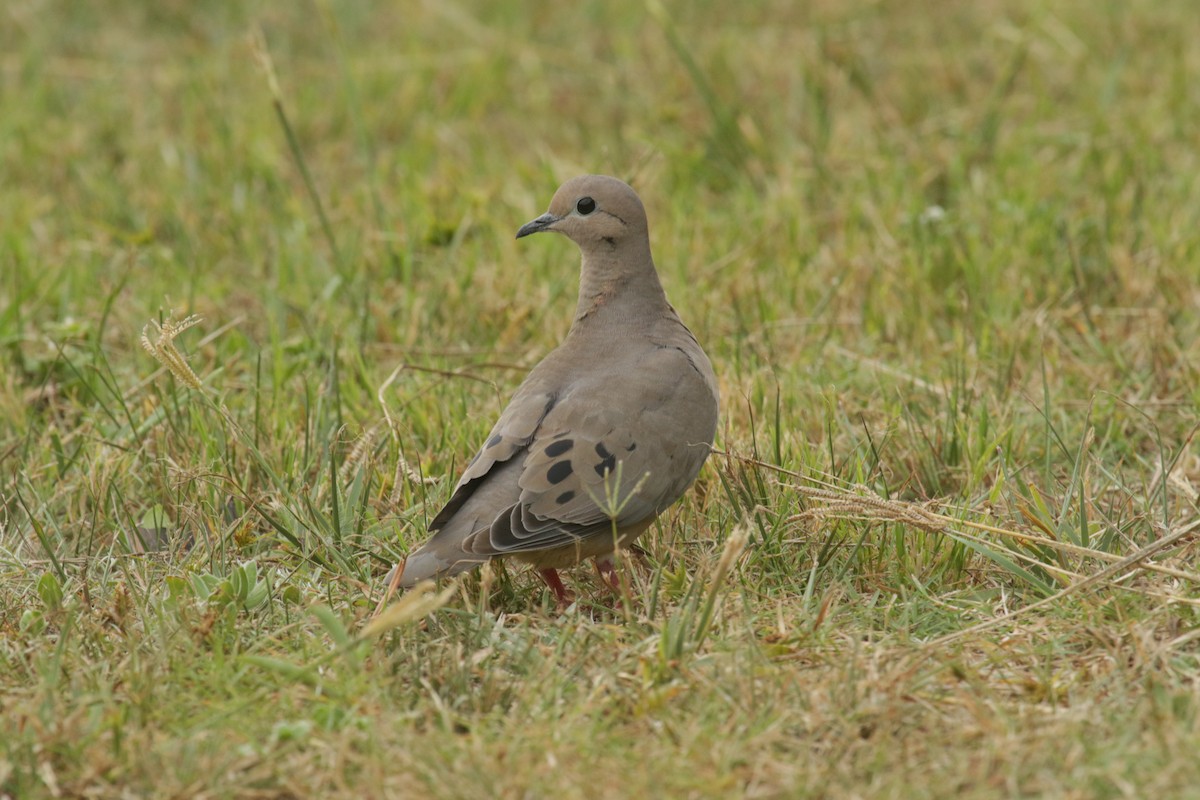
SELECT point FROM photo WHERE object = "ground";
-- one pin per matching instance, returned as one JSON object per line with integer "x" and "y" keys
{"x": 944, "y": 258}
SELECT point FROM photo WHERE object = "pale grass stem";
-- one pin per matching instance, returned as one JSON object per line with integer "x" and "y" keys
{"x": 417, "y": 602}
{"x": 860, "y": 503}
{"x": 1103, "y": 576}
{"x": 403, "y": 468}
{"x": 162, "y": 348}
{"x": 735, "y": 545}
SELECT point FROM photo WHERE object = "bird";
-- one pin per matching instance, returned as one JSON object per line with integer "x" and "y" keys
{"x": 604, "y": 434}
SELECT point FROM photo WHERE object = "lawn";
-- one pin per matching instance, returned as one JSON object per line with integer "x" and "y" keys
{"x": 260, "y": 300}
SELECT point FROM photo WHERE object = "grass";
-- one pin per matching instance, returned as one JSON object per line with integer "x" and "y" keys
{"x": 943, "y": 258}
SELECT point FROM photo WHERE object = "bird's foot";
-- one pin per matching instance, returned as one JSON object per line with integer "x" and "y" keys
{"x": 562, "y": 598}
{"x": 607, "y": 570}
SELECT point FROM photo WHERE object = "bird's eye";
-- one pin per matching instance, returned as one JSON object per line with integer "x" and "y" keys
{"x": 585, "y": 206}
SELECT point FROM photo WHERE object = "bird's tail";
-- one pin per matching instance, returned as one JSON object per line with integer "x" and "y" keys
{"x": 426, "y": 566}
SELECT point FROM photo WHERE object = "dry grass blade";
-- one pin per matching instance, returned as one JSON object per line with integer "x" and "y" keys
{"x": 858, "y": 502}
{"x": 1106, "y": 574}
{"x": 416, "y": 603}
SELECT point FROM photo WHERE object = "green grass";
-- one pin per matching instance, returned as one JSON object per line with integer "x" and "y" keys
{"x": 944, "y": 258}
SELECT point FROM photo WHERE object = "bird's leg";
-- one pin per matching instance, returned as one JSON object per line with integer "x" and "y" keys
{"x": 606, "y": 568}
{"x": 561, "y": 596}
{"x": 607, "y": 571}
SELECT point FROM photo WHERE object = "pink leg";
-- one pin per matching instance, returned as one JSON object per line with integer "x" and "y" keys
{"x": 608, "y": 573}
{"x": 561, "y": 596}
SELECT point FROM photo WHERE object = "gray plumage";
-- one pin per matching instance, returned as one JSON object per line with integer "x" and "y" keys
{"x": 606, "y": 432}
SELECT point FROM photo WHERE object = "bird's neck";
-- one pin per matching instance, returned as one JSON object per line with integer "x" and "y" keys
{"x": 616, "y": 282}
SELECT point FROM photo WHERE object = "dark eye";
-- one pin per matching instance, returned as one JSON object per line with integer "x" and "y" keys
{"x": 585, "y": 206}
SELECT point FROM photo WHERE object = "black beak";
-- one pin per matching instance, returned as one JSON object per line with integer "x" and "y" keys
{"x": 538, "y": 225}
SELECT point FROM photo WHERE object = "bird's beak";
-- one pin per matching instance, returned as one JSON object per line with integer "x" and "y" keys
{"x": 538, "y": 225}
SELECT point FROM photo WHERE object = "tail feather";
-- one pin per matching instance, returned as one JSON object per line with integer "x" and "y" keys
{"x": 424, "y": 565}
{"x": 444, "y": 554}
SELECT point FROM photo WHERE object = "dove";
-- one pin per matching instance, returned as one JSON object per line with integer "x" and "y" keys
{"x": 604, "y": 434}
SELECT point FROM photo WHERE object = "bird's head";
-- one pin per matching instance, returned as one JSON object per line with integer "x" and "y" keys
{"x": 594, "y": 211}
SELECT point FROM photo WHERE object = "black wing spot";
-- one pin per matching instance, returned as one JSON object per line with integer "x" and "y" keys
{"x": 607, "y": 465}
{"x": 631, "y": 448}
{"x": 555, "y": 449}
{"x": 495, "y": 440}
{"x": 559, "y": 471}
{"x": 565, "y": 497}
{"x": 602, "y": 451}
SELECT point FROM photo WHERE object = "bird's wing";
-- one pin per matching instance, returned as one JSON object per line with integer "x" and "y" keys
{"x": 576, "y": 457}
{"x": 607, "y": 457}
